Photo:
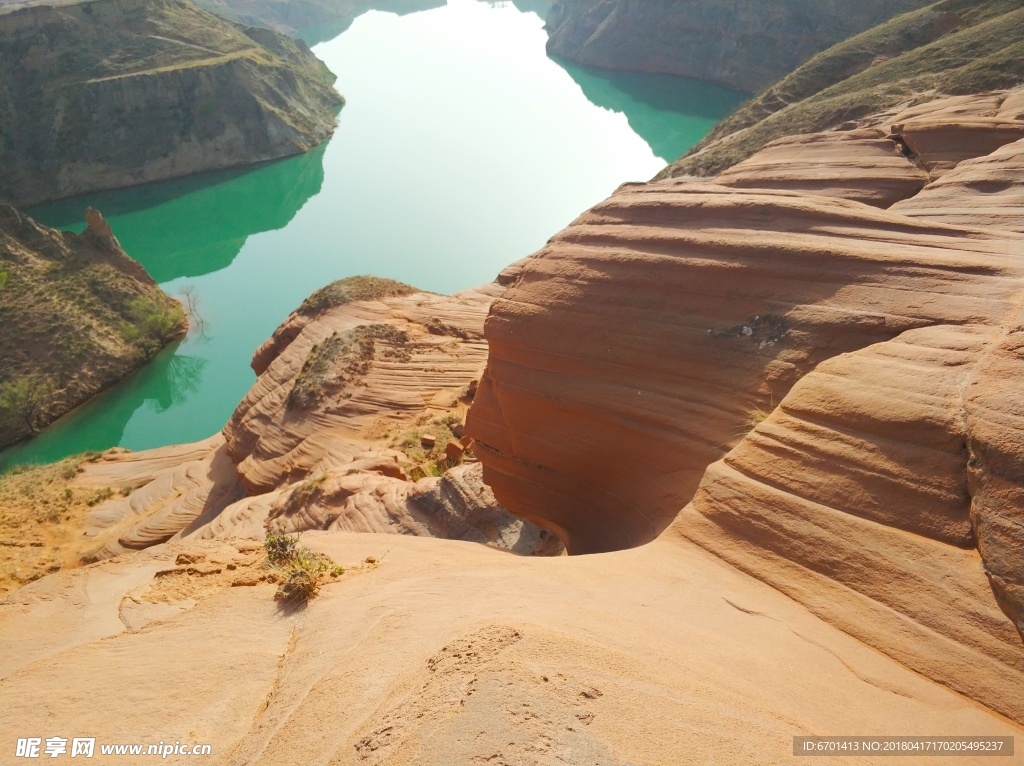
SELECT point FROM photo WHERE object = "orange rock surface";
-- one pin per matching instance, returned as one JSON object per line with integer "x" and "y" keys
{"x": 790, "y": 423}
{"x": 444, "y": 653}
{"x": 863, "y": 165}
{"x": 632, "y": 349}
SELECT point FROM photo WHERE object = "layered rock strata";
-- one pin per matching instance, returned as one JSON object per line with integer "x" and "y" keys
{"x": 141, "y": 90}
{"x": 986, "y": 191}
{"x": 863, "y": 165}
{"x": 961, "y": 48}
{"x": 893, "y": 464}
{"x": 640, "y": 339}
{"x": 873, "y": 353}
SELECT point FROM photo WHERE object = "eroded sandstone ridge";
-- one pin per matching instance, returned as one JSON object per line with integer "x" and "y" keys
{"x": 742, "y": 45}
{"x": 77, "y": 314}
{"x": 875, "y": 352}
{"x": 111, "y": 93}
{"x": 349, "y": 389}
{"x": 832, "y": 385}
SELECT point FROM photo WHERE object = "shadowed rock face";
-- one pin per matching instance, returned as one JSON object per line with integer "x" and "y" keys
{"x": 141, "y": 90}
{"x": 742, "y": 45}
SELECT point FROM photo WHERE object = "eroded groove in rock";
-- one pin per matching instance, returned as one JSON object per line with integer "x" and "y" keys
{"x": 631, "y": 350}
{"x": 984, "y": 191}
{"x": 994, "y": 411}
{"x": 862, "y": 165}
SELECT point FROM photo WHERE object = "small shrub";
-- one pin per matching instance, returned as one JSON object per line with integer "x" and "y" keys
{"x": 26, "y": 399}
{"x": 300, "y": 571}
{"x": 104, "y": 494}
{"x": 150, "y": 323}
{"x": 756, "y": 416}
{"x": 280, "y": 548}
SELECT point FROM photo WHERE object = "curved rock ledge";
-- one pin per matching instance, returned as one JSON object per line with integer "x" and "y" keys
{"x": 632, "y": 350}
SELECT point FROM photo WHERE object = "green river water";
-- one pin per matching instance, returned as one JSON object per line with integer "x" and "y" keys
{"x": 461, "y": 149}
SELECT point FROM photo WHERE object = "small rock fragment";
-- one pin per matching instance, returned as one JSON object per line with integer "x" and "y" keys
{"x": 453, "y": 451}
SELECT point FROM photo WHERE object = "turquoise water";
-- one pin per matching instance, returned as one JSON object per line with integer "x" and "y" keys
{"x": 461, "y": 149}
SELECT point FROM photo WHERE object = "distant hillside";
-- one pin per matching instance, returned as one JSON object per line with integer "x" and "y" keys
{"x": 296, "y": 17}
{"x": 77, "y": 315}
{"x": 141, "y": 90}
{"x": 951, "y": 47}
{"x": 744, "y": 44}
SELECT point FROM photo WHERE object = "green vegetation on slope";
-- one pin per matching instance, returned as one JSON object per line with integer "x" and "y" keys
{"x": 952, "y": 47}
{"x": 352, "y": 289}
{"x": 77, "y": 315}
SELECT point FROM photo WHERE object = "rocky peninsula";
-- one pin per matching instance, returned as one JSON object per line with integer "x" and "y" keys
{"x": 78, "y": 314}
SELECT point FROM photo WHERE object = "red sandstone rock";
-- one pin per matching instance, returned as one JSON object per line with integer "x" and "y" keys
{"x": 626, "y": 356}
{"x": 862, "y": 165}
{"x": 453, "y": 450}
{"x": 864, "y": 495}
{"x": 986, "y": 191}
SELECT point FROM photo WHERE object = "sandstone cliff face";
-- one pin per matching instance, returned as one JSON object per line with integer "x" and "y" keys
{"x": 742, "y": 45}
{"x": 113, "y": 93}
{"x": 77, "y": 314}
{"x": 873, "y": 352}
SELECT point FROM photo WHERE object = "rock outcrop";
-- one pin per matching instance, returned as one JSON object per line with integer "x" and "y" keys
{"x": 863, "y": 165}
{"x": 442, "y": 653}
{"x": 893, "y": 464}
{"x": 986, "y": 191}
{"x": 640, "y": 339}
{"x": 742, "y": 45}
{"x": 793, "y": 393}
{"x": 77, "y": 314}
{"x": 328, "y": 437}
{"x": 111, "y": 93}
{"x": 875, "y": 355}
